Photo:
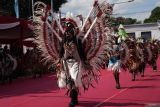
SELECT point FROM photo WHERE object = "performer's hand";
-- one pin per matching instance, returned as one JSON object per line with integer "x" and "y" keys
{"x": 57, "y": 61}
{"x": 58, "y": 75}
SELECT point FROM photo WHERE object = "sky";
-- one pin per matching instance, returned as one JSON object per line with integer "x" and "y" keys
{"x": 139, "y": 9}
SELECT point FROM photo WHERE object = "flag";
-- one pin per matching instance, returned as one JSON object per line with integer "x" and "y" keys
{"x": 16, "y": 8}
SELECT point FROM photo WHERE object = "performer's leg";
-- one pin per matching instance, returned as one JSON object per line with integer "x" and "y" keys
{"x": 142, "y": 69}
{"x": 116, "y": 76}
{"x": 154, "y": 66}
{"x": 73, "y": 92}
{"x": 74, "y": 97}
{"x": 133, "y": 76}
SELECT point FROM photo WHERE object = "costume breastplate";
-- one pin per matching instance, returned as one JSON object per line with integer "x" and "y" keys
{"x": 71, "y": 51}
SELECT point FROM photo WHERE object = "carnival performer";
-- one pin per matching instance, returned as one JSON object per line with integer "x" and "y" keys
{"x": 77, "y": 53}
{"x": 122, "y": 34}
{"x": 71, "y": 57}
{"x": 114, "y": 64}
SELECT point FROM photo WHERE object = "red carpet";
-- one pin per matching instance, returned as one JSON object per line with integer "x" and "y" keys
{"x": 43, "y": 92}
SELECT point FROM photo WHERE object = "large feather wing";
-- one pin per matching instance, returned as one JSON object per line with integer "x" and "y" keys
{"x": 98, "y": 28}
{"x": 96, "y": 33}
{"x": 47, "y": 38}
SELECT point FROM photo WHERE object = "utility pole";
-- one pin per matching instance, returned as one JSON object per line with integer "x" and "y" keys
{"x": 1, "y": 9}
{"x": 33, "y": 8}
{"x": 123, "y": 2}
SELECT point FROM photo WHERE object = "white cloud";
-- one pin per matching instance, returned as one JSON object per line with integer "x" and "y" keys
{"x": 80, "y": 6}
{"x": 123, "y": 8}
{"x": 77, "y": 6}
{"x": 158, "y": 3}
{"x": 140, "y": 16}
{"x": 83, "y": 7}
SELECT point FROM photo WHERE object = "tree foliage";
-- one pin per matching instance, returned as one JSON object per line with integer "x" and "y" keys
{"x": 7, "y": 7}
{"x": 155, "y": 15}
{"x": 25, "y": 6}
{"x": 125, "y": 21}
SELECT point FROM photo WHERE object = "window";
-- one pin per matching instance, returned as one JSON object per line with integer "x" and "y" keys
{"x": 146, "y": 36}
{"x": 131, "y": 35}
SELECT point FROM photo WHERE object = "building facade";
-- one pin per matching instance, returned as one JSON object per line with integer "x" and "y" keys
{"x": 146, "y": 31}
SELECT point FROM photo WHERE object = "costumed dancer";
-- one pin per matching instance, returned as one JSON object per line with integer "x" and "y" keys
{"x": 71, "y": 60}
{"x": 114, "y": 64}
{"x": 122, "y": 34}
{"x": 77, "y": 53}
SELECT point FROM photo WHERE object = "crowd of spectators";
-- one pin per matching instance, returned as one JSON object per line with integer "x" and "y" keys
{"x": 28, "y": 64}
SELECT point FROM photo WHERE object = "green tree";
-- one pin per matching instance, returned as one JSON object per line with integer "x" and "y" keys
{"x": 7, "y": 7}
{"x": 129, "y": 21}
{"x": 155, "y": 15}
{"x": 125, "y": 21}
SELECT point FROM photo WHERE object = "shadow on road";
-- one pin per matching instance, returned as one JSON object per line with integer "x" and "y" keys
{"x": 46, "y": 84}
